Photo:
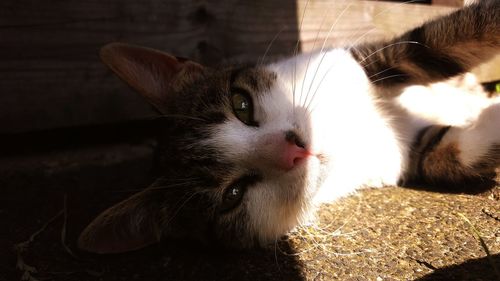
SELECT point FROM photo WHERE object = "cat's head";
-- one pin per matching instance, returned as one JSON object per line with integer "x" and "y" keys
{"x": 237, "y": 161}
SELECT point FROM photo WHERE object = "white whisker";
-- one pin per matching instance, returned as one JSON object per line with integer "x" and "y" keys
{"x": 261, "y": 60}
{"x": 174, "y": 214}
{"x": 174, "y": 185}
{"x": 380, "y": 72}
{"x": 374, "y": 28}
{"x": 323, "y": 54}
{"x": 294, "y": 78}
{"x": 179, "y": 116}
{"x": 388, "y": 77}
{"x": 388, "y": 46}
{"x": 310, "y": 55}
{"x": 380, "y": 49}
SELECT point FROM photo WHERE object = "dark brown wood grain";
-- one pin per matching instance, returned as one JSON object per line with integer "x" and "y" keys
{"x": 51, "y": 76}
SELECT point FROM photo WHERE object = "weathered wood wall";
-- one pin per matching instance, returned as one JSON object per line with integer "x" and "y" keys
{"x": 50, "y": 73}
{"x": 51, "y": 76}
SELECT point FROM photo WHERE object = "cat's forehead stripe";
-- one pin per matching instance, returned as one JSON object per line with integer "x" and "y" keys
{"x": 255, "y": 80}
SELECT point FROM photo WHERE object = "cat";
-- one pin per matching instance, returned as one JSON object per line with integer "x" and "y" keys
{"x": 246, "y": 153}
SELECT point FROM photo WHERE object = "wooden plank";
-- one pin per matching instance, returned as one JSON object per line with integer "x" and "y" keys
{"x": 50, "y": 72}
{"x": 358, "y": 21}
{"x": 343, "y": 23}
{"x": 451, "y": 3}
{"x": 51, "y": 76}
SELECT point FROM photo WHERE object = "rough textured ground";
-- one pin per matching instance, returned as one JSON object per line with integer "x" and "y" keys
{"x": 377, "y": 234}
{"x": 402, "y": 234}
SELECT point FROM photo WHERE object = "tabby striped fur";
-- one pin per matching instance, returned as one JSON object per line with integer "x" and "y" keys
{"x": 321, "y": 125}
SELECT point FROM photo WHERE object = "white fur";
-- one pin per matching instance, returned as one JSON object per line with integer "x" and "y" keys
{"x": 446, "y": 104}
{"x": 341, "y": 117}
{"x": 477, "y": 138}
{"x": 346, "y": 125}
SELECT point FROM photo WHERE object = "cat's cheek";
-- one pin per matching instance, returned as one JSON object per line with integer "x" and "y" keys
{"x": 273, "y": 209}
{"x": 279, "y": 204}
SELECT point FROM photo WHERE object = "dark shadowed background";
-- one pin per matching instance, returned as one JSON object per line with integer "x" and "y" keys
{"x": 74, "y": 139}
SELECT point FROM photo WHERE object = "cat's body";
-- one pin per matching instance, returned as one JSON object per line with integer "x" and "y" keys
{"x": 248, "y": 152}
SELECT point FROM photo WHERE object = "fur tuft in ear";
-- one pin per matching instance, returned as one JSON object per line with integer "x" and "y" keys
{"x": 150, "y": 72}
{"x": 129, "y": 225}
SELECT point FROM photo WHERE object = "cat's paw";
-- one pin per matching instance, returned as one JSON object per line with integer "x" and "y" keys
{"x": 453, "y": 154}
{"x": 480, "y": 144}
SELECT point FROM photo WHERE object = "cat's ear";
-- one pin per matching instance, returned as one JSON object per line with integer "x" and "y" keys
{"x": 437, "y": 50}
{"x": 129, "y": 225}
{"x": 150, "y": 72}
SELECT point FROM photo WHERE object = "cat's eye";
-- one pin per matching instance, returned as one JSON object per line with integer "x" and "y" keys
{"x": 243, "y": 107}
{"x": 232, "y": 198}
{"x": 233, "y": 195}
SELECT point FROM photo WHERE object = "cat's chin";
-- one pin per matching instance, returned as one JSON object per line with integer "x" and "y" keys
{"x": 284, "y": 201}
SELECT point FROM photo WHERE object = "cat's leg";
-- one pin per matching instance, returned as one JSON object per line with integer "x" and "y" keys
{"x": 437, "y": 50}
{"x": 452, "y": 154}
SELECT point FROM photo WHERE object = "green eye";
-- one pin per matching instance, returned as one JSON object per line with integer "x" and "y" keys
{"x": 243, "y": 107}
{"x": 232, "y": 198}
{"x": 233, "y": 195}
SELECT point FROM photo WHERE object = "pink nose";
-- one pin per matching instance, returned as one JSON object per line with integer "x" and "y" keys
{"x": 280, "y": 151}
{"x": 293, "y": 155}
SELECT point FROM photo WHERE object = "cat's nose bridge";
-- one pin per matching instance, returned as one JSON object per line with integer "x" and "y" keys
{"x": 300, "y": 119}
{"x": 293, "y": 138}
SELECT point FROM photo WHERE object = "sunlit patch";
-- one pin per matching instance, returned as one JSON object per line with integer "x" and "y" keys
{"x": 329, "y": 233}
